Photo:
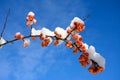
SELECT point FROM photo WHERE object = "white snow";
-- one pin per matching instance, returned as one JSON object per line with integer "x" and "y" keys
{"x": 47, "y": 32}
{"x": 86, "y": 45}
{"x": 26, "y": 40}
{"x": 96, "y": 56}
{"x": 29, "y": 23}
{"x": 18, "y": 33}
{"x": 44, "y": 31}
{"x": 35, "y": 32}
{"x": 2, "y": 41}
{"x": 61, "y": 31}
{"x": 31, "y": 13}
{"x": 76, "y": 19}
{"x": 34, "y": 21}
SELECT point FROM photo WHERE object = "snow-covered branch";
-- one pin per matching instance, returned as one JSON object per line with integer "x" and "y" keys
{"x": 70, "y": 36}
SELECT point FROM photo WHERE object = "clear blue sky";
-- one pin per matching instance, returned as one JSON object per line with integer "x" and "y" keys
{"x": 58, "y": 63}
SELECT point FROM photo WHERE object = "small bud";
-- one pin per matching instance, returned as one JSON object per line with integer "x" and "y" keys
{"x": 18, "y": 35}
{"x": 26, "y": 42}
{"x": 33, "y": 38}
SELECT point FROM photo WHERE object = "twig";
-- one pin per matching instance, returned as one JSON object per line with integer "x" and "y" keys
{"x": 86, "y": 17}
{"x": 4, "y": 26}
{"x": 31, "y": 29}
{"x": 70, "y": 33}
{"x": 95, "y": 63}
{"x": 28, "y": 36}
{"x": 77, "y": 46}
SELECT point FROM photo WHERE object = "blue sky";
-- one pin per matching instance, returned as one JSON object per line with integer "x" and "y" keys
{"x": 58, "y": 63}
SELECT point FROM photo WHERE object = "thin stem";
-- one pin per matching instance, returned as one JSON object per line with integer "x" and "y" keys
{"x": 13, "y": 40}
{"x": 77, "y": 46}
{"x": 55, "y": 37}
{"x": 70, "y": 33}
{"x": 95, "y": 63}
{"x": 86, "y": 17}
{"x": 4, "y": 26}
{"x": 31, "y": 29}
